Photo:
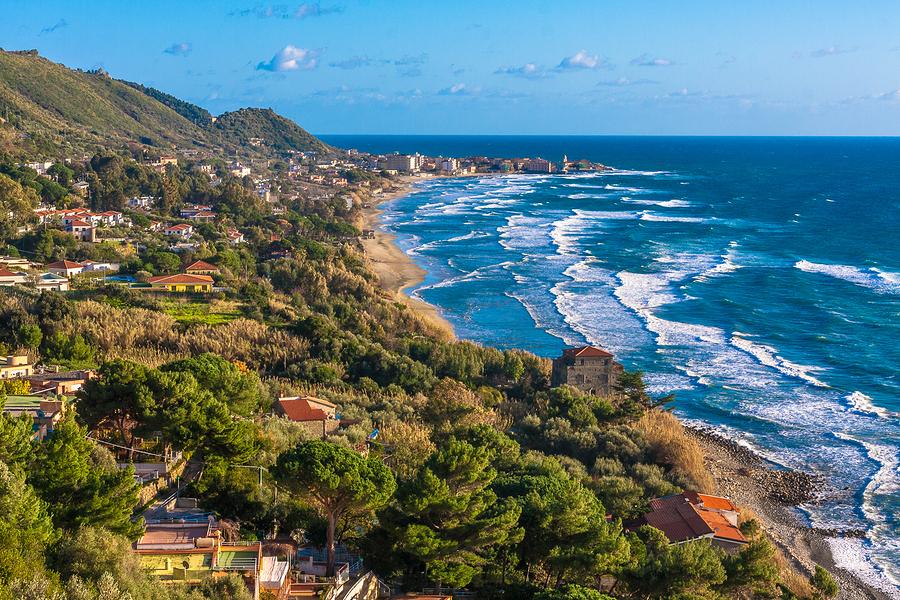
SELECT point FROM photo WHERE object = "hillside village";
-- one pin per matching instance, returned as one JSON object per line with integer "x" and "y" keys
{"x": 207, "y": 394}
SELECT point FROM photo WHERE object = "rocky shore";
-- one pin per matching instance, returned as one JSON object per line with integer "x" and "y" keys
{"x": 774, "y": 494}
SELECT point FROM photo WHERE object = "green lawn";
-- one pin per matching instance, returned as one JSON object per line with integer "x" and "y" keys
{"x": 207, "y": 313}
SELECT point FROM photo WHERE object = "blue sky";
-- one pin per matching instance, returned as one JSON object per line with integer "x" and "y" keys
{"x": 818, "y": 67}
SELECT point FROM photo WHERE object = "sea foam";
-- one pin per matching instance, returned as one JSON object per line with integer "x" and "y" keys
{"x": 875, "y": 279}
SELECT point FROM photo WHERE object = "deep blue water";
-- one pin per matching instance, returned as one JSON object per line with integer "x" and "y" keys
{"x": 757, "y": 278}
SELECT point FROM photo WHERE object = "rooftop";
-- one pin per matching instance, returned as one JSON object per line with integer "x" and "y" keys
{"x": 587, "y": 352}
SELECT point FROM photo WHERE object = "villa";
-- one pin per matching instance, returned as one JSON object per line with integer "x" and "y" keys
{"x": 66, "y": 268}
{"x": 691, "y": 516}
{"x": 199, "y": 267}
{"x": 182, "y": 282}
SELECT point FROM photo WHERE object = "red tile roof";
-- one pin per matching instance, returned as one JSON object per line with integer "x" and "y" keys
{"x": 179, "y": 227}
{"x": 587, "y": 351}
{"x": 65, "y": 264}
{"x": 713, "y": 502}
{"x": 181, "y": 278}
{"x": 4, "y": 272}
{"x": 682, "y": 520}
{"x": 298, "y": 409}
{"x": 79, "y": 223}
{"x": 199, "y": 265}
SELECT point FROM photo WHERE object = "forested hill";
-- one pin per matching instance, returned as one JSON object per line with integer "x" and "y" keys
{"x": 55, "y": 111}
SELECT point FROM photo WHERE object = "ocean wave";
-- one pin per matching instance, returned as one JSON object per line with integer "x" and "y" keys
{"x": 861, "y": 403}
{"x": 882, "y": 487}
{"x": 472, "y": 235}
{"x": 673, "y": 203}
{"x": 726, "y": 264}
{"x": 662, "y": 218}
{"x": 522, "y": 232}
{"x": 768, "y": 356}
{"x": 875, "y": 279}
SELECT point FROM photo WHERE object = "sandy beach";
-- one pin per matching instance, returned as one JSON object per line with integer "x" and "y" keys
{"x": 772, "y": 494}
{"x": 395, "y": 269}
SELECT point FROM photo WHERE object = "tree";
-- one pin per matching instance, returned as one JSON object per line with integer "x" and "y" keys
{"x": 16, "y": 205}
{"x": 15, "y": 439}
{"x": 239, "y": 388}
{"x": 571, "y": 592}
{"x": 667, "y": 570}
{"x": 449, "y": 519}
{"x": 118, "y": 398}
{"x": 337, "y": 481}
{"x": 80, "y": 489}
{"x": 824, "y": 583}
{"x": 25, "y": 527}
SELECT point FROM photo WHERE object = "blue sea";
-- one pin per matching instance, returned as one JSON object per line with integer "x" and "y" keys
{"x": 758, "y": 279}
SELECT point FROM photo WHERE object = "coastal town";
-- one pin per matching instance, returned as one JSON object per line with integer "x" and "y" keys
{"x": 214, "y": 386}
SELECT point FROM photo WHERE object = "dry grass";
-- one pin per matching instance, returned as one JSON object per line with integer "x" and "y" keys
{"x": 672, "y": 447}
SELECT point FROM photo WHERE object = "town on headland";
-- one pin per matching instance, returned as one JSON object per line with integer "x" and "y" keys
{"x": 212, "y": 386}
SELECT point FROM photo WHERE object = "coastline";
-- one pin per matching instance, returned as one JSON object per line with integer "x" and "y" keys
{"x": 396, "y": 271}
{"x": 772, "y": 494}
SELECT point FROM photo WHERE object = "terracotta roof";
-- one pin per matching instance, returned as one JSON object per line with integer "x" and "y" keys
{"x": 587, "y": 351}
{"x": 181, "y": 278}
{"x": 298, "y": 409}
{"x": 4, "y": 272}
{"x": 199, "y": 265}
{"x": 714, "y": 502}
{"x": 682, "y": 520}
{"x": 65, "y": 264}
{"x": 677, "y": 518}
{"x": 155, "y": 535}
{"x": 79, "y": 223}
{"x": 179, "y": 226}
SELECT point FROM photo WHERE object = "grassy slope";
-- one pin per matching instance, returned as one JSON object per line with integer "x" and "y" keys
{"x": 60, "y": 107}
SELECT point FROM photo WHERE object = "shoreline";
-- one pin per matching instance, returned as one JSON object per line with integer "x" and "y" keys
{"x": 773, "y": 494}
{"x": 396, "y": 270}
{"x": 751, "y": 481}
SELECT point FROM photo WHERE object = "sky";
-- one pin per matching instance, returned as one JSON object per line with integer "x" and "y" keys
{"x": 692, "y": 67}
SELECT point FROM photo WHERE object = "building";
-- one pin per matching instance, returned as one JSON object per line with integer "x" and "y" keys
{"x": 182, "y": 282}
{"x": 93, "y": 265}
{"x": 449, "y": 165}
{"x": 319, "y": 416}
{"x": 182, "y": 230}
{"x": 15, "y": 366}
{"x": 536, "y": 165}
{"x": 407, "y": 163}
{"x": 588, "y": 368}
{"x": 66, "y": 268}
{"x": 199, "y": 267}
{"x": 51, "y": 282}
{"x": 691, "y": 516}
{"x": 180, "y": 553}
{"x": 59, "y": 383}
{"x": 82, "y": 230}
{"x": 45, "y": 413}
{"x": 9, "y": 278}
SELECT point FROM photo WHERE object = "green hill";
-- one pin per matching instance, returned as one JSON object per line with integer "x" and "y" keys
{"x": 56, "y": 110}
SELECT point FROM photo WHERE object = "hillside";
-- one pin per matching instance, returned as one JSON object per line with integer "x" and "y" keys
{"x": 60, "y": 110}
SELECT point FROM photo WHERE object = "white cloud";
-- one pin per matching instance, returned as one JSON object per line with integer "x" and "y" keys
{"x": 457, "y": 89}
{"x": 625, "y": 82}
{"x": 645, "y": 60}
{"x": 583, "y": 60}
{"x": 528, "y": 71}
{"x": 291, "y": 58}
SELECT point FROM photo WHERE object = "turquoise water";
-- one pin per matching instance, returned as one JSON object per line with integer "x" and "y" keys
{"x": 756, "y": 278}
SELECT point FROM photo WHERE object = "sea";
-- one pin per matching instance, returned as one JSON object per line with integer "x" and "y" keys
{"x": 757, "y": 279}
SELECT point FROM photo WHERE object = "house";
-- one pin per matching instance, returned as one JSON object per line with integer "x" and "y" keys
{"x": 199, "y": 267}
{"x": 182, "y": 282}
{"x": 9, "y": 278}
{"x": 59, "y": 383}
{"x": 187, "y": 553}
{"x": 141, "y": 202}
{"x": 182, "y": 230}
{"x": 82, "y": 188}
{"x": 235, "y": 236}
{"x": 45, "y": 413}
{"x": 692, "y": 516}
{"x": 51, "y": 282}
{"x": 112, "y": 218}
{"x": 587, "y": 368}
{"x": 16, "y": 263}
{"x": 66, "y": 268}
{"x": 319, "y": 416}
{"x": 83, "y": 230}
{"x": 203, "y": 217}
{"x": 15, "y": 366}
